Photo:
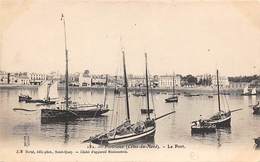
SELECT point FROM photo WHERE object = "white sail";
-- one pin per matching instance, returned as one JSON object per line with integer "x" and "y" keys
{"x": 245, "y": 91}
{"x": 43, "y": 90}
{"x": 53, "y": 93}
{"x": 253, "y": 91}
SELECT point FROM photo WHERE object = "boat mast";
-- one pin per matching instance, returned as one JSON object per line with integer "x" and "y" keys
{"x": 66, "y": 71}
{"x": 173, "y": 85}
{"x": 126, "y": 87}
{"x": 147, "y": 85}
{"x": 218, "y": 93}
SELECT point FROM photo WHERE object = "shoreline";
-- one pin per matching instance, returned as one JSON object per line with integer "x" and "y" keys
{"x": 197, "y": 90}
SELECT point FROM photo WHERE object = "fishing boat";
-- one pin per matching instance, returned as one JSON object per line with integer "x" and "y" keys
{"x": 174, "y": 97}
{"x": 139, "y": 93}
{"x": 68, "y": 110}
{"x": 47, "y": 94}
{"x": 246, "y": 92}
{"x": 253, "y": 92}
{"x": 127, "y": 131}
{"x": 23, "y": 98}
{"x": 202, "y": 126}
{"x": 256, "y": 109}
{"x": 222, "y": 118}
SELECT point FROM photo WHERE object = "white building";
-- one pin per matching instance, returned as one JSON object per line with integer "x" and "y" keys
{"x": 166, "y": 81}
{"x": 37, "y": 78}
{"x": 98, "y": 80}
{"x": 3, "y": 77}
{"x": 223, "y": 81}
{"x": 136, "y": 81}
{"x": 84, "y": 80}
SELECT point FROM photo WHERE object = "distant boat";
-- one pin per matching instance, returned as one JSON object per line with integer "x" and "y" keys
{"x": 47, "y": 94}
{"x": 174, "y": 97}
{"x": 23, "y": 98}
{"x": 139, "y": 93}
{"x": 210, "y": 96}
{"x": 253, "y": 92}
{"x": 245, "y": 92}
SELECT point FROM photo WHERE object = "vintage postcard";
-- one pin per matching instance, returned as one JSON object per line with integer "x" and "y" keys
{"x": 129, "y": 81}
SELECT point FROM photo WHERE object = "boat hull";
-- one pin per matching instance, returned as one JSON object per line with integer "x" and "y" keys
{"x": 202, "y": 130}
{"x": 64, "y": 115}
{"x": 52, "y": 115}
{"x": 127, "y": 139}
{"x": 221, "y": 123}
{"x": 171, "y": 100}
{"x": 256, "y": 110}
{"x": 24, "y": 98}
{"x": 145, "y": 111}
{"x": 257, "y": 141}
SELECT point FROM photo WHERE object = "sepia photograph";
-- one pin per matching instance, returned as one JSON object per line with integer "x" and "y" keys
{"x": 130, "y": 81}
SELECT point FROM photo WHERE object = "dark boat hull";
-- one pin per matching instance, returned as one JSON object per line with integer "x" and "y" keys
{"x": 54, "y": 115}
{"x": 202, "y": 130}
{"x": 145, "y": 111}
{"x": 126, "y": 139}
{"x": 40, "y": 101}
{"x": 256, "y": 110}
{"x": 24, "y": 98}
{"x": 172, "y": 99}
{"x": 64, "y": 115}
{"x": 222, "y": 123}
{"x": 257, "y": 141}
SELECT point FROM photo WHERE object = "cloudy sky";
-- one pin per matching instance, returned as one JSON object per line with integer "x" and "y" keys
{"x": 188, "y": 37}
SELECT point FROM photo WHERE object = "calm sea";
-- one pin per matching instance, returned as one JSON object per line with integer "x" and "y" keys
{"x": 173, "y": 129}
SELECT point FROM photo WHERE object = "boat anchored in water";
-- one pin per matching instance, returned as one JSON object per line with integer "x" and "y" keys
{"x": 221, "y": 118}
{"x": 174, "y": 97}
{"x": 127, "y": 132}
{"x": 68, "y": 110}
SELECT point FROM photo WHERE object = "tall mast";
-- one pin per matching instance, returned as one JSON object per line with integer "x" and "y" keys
{"x": 147, "y": 85}
{"x": 126, "y": 88}
{"x": 173, "y": 84}
{"x": 218, "y": 93}
{"x": 66, "y": 71}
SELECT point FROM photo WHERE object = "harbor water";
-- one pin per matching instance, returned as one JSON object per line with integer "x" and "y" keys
{"x": 171, "y": 130}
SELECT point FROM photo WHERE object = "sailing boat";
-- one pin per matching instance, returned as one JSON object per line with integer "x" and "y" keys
{"x": 127, "y": 132}
{"x": 145, "y": 111}
{"x": 139, "y": 92}
{"x": 220, "y": 120}
{"x": 174, "y": 97}
{"x": 69, "y": 110}
{"x": 253, "y": 92}
{"x": 44, "y": 94}
{"x": 245, "y": 91}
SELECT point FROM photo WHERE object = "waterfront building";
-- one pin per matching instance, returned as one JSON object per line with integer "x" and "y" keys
{"x": 166, "y": 81}
{"x": 223, "y": 81}
{"x": 136, "y": 81}
{"x": 99, "y": 80}
{"x": 85, "y": 80}
{"x": 37, "y": 78}
{"x": 238, "y": 85}
{"x": 3, "y": 77}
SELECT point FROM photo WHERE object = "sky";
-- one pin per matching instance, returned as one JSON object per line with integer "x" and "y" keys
{"x": 185, "y": 37}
